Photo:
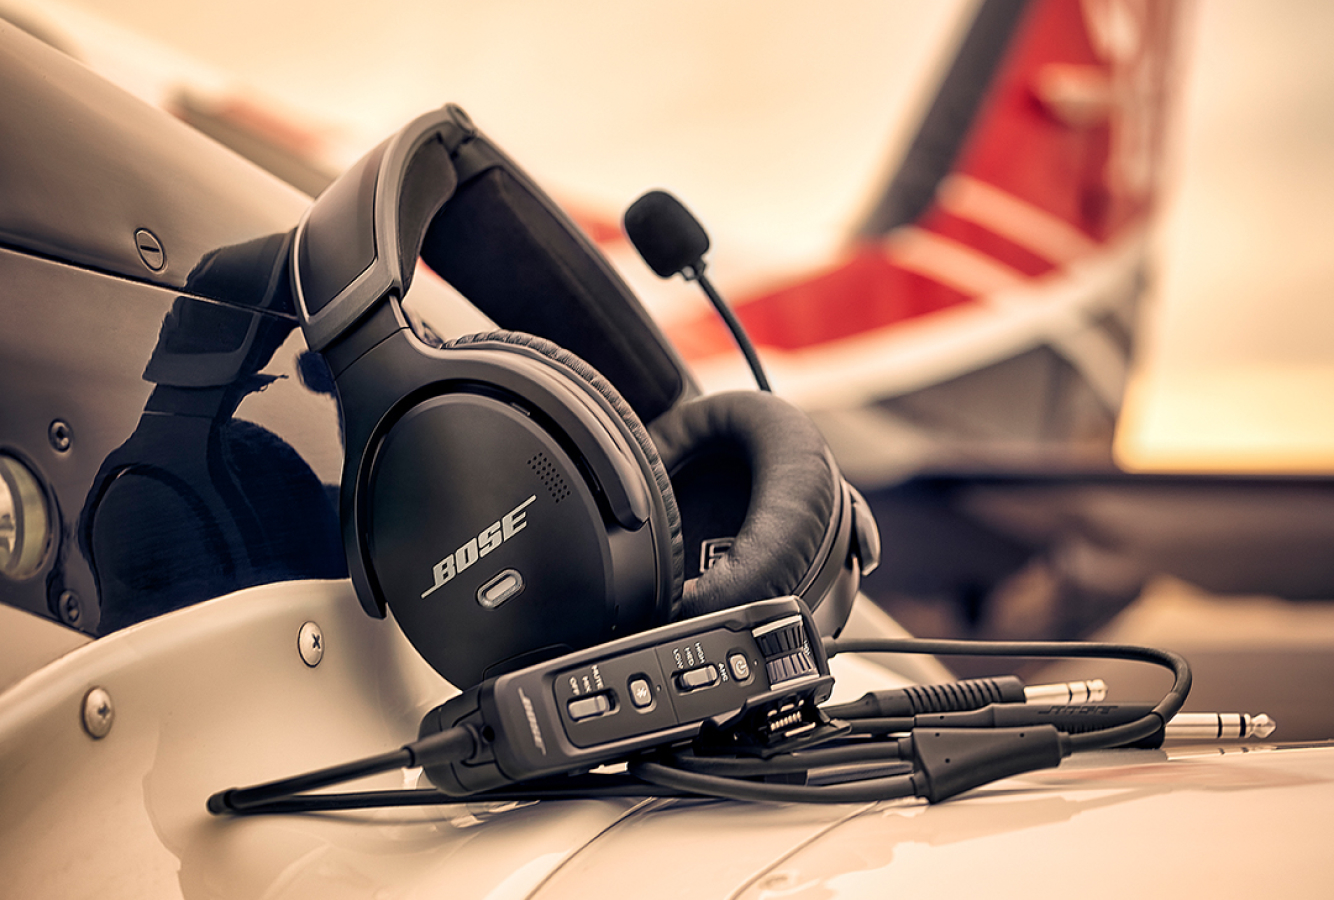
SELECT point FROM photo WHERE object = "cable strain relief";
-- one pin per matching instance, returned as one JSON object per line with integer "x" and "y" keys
{"x": 953, "y": 760}
{"x": 452, "y": 745}
{"x": 960, "y": 696}
{"x": 221, "y": 802}
{"x": 1154, "y": 740}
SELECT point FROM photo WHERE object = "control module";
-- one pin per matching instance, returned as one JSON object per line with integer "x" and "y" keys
{"x": 750, "y": 670}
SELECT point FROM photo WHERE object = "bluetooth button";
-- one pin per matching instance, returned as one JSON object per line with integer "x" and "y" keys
{"x": 641, "y": 693}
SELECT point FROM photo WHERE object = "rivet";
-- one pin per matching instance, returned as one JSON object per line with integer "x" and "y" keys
{"x": 60, "y": 435}
{"x": 98, "y": 713}
{"x": 150, "y": 250}
{"x": 70, "y": 611}
{"x": 310, "y": 644}
{"x": 462, "y": 119}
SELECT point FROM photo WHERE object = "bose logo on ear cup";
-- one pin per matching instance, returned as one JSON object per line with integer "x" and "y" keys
{"x": 491, "y": 537}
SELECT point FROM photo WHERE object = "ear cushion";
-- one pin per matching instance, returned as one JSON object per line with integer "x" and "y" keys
{"x": 793, "y": 492}
{"x": 590, "y": 376}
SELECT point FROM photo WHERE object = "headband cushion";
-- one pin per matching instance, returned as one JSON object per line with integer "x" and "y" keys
{"x": 589, "y": 376}
{"x": 785, "y": 514}
{"x": 501, "y": 244}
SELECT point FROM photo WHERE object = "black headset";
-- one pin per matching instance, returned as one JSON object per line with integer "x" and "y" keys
{"x": 499, "y": 495}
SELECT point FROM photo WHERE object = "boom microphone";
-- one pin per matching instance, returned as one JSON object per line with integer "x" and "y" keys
{"x": 671, "y": 240}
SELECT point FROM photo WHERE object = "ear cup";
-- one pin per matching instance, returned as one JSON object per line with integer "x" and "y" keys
{"x": 656, "y": 474}
{"x": 750, "y": 467}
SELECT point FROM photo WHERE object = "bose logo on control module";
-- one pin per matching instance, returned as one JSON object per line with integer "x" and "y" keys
{"x": 491, "y": 537}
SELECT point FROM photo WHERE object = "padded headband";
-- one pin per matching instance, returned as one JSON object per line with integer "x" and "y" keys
{"x": 439, "y": 189}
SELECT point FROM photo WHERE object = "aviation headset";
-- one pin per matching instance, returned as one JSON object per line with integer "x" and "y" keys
{"x": 498, "y": 494}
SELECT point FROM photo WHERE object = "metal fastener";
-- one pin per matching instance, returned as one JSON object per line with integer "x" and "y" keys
{"x": 98, "y": 713}
{"x": 310, "y": 643}
{"x": 70, "y": 611}
{"x": 150, "y": 250}
{"x": 60, "y": 435}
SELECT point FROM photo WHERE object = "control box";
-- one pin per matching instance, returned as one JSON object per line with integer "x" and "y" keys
{"x": 652, "y": 689}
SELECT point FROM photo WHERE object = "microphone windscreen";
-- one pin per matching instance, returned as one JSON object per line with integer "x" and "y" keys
{"x": 665, "y": 233}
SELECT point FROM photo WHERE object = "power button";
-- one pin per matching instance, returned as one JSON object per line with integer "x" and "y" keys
{"x": 739, "y": 665}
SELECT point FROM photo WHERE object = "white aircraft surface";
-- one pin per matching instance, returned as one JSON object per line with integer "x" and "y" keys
{"x": 218, "y": 694}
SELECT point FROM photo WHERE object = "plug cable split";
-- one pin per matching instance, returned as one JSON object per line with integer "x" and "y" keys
{"x": 950, "y": 748}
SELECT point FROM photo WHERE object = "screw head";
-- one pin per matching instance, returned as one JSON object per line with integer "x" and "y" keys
{"x": 150, "y": 250}
{"x": 70, "y": 611}
{"x": 60, "y": 435}
{"x": 98, "y": 713}
{"x": 310, "y": 644}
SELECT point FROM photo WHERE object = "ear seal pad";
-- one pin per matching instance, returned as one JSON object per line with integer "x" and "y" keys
{"x": 794, "y": 493}
{"x": 593, "y": 380}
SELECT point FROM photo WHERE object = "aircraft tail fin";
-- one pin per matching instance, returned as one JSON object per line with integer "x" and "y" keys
{"x": 989, "y": 295}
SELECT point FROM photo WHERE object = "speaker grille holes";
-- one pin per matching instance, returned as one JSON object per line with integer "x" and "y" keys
{"x": 551, "y": 477}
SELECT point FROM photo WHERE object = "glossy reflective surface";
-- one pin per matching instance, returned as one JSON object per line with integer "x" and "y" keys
{"x": 157, "y": 387}
{"x": 85, "y": 169}
{"x": 200, "y": 458}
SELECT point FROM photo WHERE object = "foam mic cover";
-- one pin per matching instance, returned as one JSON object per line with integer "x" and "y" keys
{"x": 665, "y": 233}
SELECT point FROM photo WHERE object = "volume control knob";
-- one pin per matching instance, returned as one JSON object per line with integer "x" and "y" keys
{"x": 781, "y": 637}
{"x": 786, "y": 668}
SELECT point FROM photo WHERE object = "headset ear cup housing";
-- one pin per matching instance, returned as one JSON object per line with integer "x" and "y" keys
{"x": 633, "y": 437}
{"x": 502, "y": 508}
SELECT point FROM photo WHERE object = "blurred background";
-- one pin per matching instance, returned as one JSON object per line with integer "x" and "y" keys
{"x": 776, "y": 121}
{"x": 780, "y": 124}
